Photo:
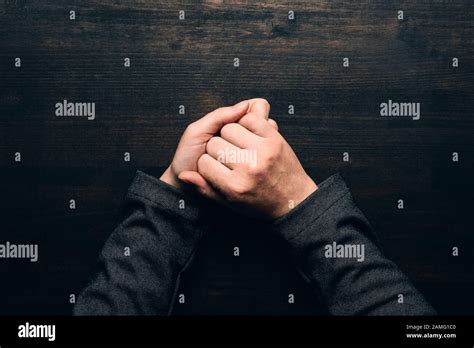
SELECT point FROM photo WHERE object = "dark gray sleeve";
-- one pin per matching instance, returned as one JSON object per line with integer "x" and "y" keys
{"x": 161, "y": 228}
{"x": 336, "y": 250}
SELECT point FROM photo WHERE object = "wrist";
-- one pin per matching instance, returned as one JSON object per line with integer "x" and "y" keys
{"x": 170, "y": 178}
{"x": 303, "y": 191}
{"x": 310, "y": 187}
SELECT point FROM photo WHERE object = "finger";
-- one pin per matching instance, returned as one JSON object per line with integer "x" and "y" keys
{"x": 215, "y": 173}
{"x": 213, "y": 121}
{"x": 256, "y": 125}
{"x": 196, "y": 180}
{"x": 239, "y": 136}
{"x": 273, "y": 123}
{"x": 224, "y": 152}
{"x": 259, "y": 106}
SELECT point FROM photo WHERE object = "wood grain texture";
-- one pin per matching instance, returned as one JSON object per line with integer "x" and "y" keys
{"x": 190, "y": 63}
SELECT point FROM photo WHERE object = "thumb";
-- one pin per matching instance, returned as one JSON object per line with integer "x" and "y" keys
{"x": 202, "y": 186}
{"x": 215, "y": 120}
{"x": 260, "y": 107}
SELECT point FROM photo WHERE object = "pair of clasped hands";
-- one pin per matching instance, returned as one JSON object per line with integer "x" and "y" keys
{"x": 268, "y": 187}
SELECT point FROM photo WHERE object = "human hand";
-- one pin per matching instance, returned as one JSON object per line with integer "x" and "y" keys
{"x": 193, "y": 141}
{"x": 270, "y": 185}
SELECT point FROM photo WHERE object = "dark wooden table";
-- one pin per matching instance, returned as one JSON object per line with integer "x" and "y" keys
{"x": 190, "y": 62}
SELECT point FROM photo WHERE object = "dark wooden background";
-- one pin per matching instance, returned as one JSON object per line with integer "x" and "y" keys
{"x": 190, "y": 62}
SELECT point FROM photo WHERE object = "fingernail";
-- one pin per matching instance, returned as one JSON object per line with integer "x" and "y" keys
{"x": 241, "y": 105}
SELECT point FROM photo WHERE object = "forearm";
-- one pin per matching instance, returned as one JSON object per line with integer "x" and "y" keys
{"x": 336, "y": 249}
{"x": 140, "y": 264}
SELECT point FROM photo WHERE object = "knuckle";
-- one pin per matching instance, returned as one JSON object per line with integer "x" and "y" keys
{"x": 227, "y": 129}
{"x": 212, "y": 143}
{"x": 200, "y": 162}
{"x": 263, "y": 101}
{"x": 273, "y": 123}
{"x": 258, "y": 171}
{"x": 239, "y": 190}
{"x": 271, "y": 157}
{"x": 249, "y": 118}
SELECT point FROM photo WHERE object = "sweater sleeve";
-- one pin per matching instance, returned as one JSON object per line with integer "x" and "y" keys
{"x": 336, "y": 250}
{"x": 140, "y": 265}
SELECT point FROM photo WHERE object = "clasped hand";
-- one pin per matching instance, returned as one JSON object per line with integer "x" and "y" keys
{"x": 235, "y": 155}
